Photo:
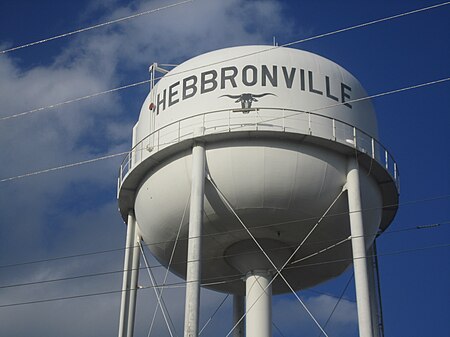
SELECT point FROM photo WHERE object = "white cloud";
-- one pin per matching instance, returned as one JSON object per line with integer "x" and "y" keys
{"x": 74, "y": 210}
{"x": 289, "y": 314}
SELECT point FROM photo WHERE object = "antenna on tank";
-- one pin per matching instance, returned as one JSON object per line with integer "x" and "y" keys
{"x": 153, "y": 69}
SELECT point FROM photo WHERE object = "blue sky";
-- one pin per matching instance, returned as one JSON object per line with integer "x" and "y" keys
{"x": 74, "y": 211}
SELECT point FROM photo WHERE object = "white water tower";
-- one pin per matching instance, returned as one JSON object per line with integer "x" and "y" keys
{"x": 278, "y": 155}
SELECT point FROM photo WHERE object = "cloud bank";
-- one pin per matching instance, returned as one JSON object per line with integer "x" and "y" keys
{"x": 74, "y": 211}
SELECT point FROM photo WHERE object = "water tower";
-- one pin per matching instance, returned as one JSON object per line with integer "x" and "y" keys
{"x": 276, "y": 152}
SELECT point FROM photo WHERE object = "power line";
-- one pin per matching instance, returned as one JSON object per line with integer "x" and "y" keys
{"x": 420, "y": 227}
{"x": 82, "y": 30}
{"x": 390, "y": 92}
{"x": 24, "y": 113}
{"x": 66, "y": 166}
{"x": 173, "y": 285}
{"x": 21, "y": 114}
{"x": 368, "y": 23}
{"x": 410, "y": 228}
{"x": 404, "y": 251}
{"x": 232, "y": 278}
{"x": 314, "y": 37}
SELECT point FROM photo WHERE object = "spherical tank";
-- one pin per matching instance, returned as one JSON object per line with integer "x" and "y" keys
{"x": 279, "y": 126}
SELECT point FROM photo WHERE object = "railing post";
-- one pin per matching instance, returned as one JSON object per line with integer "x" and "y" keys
{"x": 354, "y": 137}
{"x": 229, "y": 120}
{"x": 373, "y": 148}
{"x": 309, "y": 123}
{"x": 386, "y": 160}
{"x": 395, "y": 171}
{"x": 157, "y": 139}
{"x": 334, "y": 129}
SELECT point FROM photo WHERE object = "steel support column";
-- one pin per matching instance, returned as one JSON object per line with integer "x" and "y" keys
{"x": 238, "y": 312}
{"x": 129, "y": 282}
{"x": 359, "y": 249}
{"x": 373, "y": 291}
{"x": 193, "y": 273}
{"x": 126, "y": 280}
{"x": 134, "y": 281}
{"x": 258, "y": 304}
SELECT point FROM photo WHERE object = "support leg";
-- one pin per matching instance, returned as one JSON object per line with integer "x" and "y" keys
{"x": 238, "y": 312}
{"x": 359, "y": 250}
{"x": 373, "y": 292}
{"x": 133, "y": 282}
{"x": 193, "y": 274}
{"x": 258, "y": 304}
{"x": 124, "y": 303}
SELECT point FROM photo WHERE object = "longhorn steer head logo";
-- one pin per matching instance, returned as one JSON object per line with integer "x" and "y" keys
{"x": 246, "y": 99}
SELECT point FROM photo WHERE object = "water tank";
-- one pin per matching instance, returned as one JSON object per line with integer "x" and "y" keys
{"x": 278, "y": 125}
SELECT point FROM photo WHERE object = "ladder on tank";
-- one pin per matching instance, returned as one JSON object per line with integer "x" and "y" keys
{"x": 154, "y": 70}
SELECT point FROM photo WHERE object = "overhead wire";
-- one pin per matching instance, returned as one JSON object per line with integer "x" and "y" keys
{"x": 232, "y": 278}
{"x": 410, "y": 228}
{"x": 180, "y": 284}
{"x": 70, "y": 278}
{"x": 82, "y": 30}
{"x": 57, "y": 168}
{"x": 116, "y": 272}
{"x": 24, "y": 113}
{"x": 78, "y": 99}
{"x": 392, "y": 17}
{"x": 110, "y": 156}
{"x": 65, "y": 166}
{"x": 403, "y": 251}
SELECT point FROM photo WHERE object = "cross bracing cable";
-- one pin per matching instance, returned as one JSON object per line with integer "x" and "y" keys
{"x": 57, "y": 168}
{"x": 160, "y": 300}
{"x": 82, "y": 30}
{"x": 213, "y": 314}
{"x": 232, "y": 278}
{"x": 338, "y": 301}
{"x": 278, "y": 329}
{"x": 24, "y": 113}
{"x": 278, "y": 270}
{"x": 168, "y": 265}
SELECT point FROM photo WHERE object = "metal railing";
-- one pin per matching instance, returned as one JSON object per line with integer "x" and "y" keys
{"x": 260, "y": 119}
